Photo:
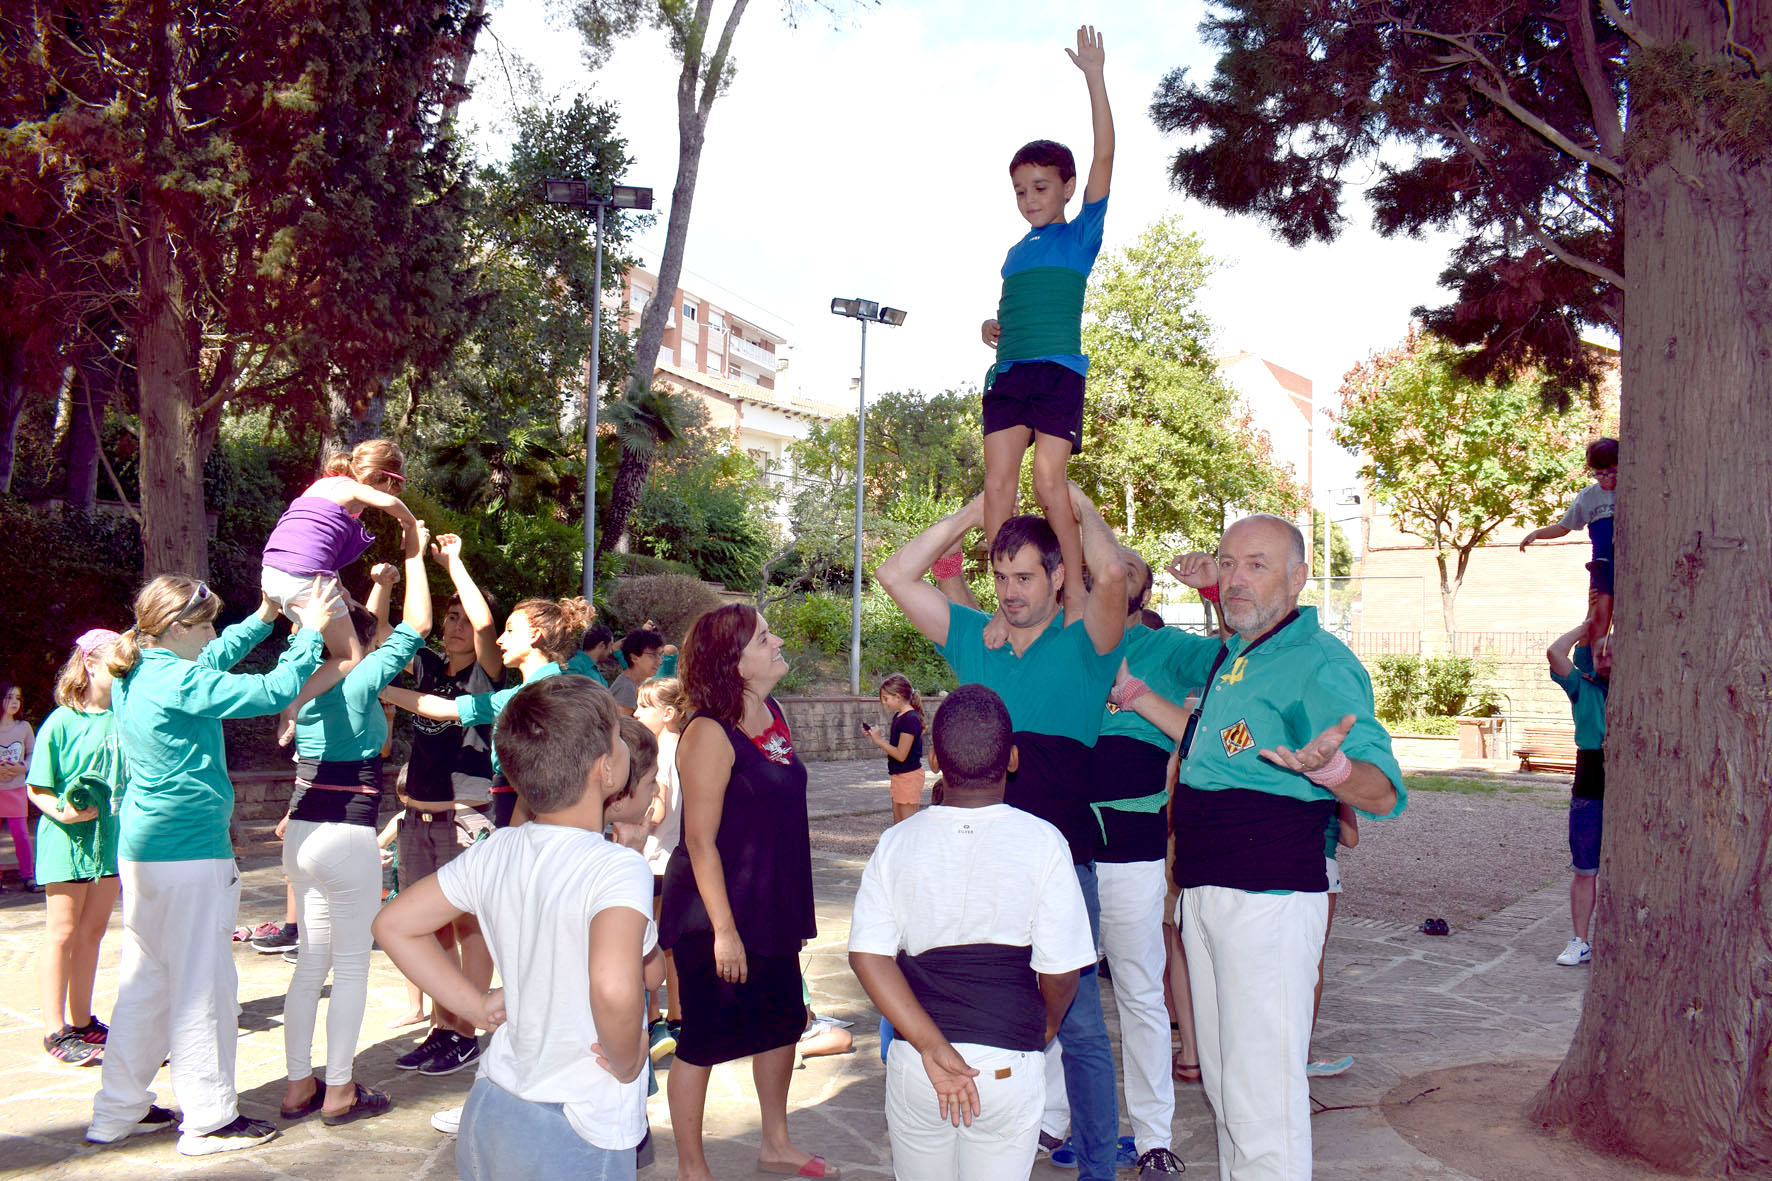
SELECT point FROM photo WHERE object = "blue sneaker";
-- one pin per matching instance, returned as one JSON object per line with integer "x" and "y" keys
{"x": 1328, "y": 1067}
{"x": 1125, "y": 1154}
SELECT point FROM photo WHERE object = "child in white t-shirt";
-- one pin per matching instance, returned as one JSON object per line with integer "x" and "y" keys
{"x": 567, "y": 917}
{"x": 968, "y": 934}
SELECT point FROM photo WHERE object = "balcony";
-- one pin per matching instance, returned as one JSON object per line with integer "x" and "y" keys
{"x": 740, "y": 349}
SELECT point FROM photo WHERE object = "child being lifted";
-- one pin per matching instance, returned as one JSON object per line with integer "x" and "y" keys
{"x": 1034, "y": 392}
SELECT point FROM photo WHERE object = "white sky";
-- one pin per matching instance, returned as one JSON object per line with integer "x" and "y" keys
{"x": 871, "y": 160}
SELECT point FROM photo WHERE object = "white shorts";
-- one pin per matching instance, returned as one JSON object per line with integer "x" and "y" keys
{"x": 290, "y": 591}
{"x": 1334, "y": 874}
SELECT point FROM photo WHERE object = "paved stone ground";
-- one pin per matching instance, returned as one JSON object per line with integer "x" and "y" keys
{"x": 1402, "y": 1003}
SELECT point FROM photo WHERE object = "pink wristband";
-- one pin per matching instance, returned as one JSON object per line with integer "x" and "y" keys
{"x": 1209, "y": 593}
{"x": 951, "y": 566}
{"x": 1334, "y": 773}
{"x": 1128, "y": 691}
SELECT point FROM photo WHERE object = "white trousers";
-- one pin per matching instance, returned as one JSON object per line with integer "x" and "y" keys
{"x": 1252, "y": 967}
{"x": 177, "y": 995}
{"x": 1004, "y": 1136}
{"x": 1132, "y": 895}
{"x": 335, "y": 870}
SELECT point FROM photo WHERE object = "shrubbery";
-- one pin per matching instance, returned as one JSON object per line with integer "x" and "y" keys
{"x": 671, "y": 601}
{"x": 1433, "y": 686}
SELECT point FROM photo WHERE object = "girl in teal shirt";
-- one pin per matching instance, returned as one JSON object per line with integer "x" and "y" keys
{"x": 177, "y": 993}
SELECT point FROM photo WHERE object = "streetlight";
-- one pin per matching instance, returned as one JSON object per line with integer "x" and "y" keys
{"x": 865, "y": 310}
{"x": 578, "y": 194}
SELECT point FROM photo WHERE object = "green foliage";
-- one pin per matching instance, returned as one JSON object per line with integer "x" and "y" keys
{"x": 1341, "y": 551}
{"x": 817, "y": 621}
{"x": 614, "y": 565}
{"x": 1428, "y": 725}
{"x": 1437, "y": 686}
{"x": 815, "y": 630}
{"x": 1167, "y": 449}
{"x": 1455, "y": 459}
{"x": 889, "y": 644}
{"x": 704, "y": 507}
{"x": 671, "y": 601}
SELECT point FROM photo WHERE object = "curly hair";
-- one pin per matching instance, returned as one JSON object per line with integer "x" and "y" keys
{"x": 557, "y": 624}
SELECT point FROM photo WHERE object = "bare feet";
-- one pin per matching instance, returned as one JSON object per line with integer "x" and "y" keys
{"x": 996, "y": 631}
{"x": 412, "y": 1018}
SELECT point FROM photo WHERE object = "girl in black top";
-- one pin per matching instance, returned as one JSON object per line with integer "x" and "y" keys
{"x": 738, "y": 889}
{"x": 903, "y": 744}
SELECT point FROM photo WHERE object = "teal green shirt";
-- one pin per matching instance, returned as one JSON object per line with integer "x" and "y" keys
{"x": 1285, "y": 692}
{"x": 1587, "y": 700}
{"x": 347, "y": 722}
{"x": 667, "y": 665}
{"x": 1056, "y": 687}
{"x": 178, "y": 798}
{"x": 582, "y": 664}
{"x": 479, "y": 709}
{"x": 1172, "y": 662}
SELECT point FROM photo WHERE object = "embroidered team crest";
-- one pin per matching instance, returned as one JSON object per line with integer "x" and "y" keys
{"x": 1236, "y": 738}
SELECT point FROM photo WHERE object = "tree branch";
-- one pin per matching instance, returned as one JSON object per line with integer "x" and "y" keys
{"x": 1626, "y": 25}
{"x": 710, "y": 86}
{"x": 1579, "y": 19}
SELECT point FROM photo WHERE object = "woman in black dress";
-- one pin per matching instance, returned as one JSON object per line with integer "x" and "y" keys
{"x": 738, "y": 889}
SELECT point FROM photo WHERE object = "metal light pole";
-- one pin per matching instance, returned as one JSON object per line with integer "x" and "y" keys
{"x": 864, "y": 310}
{"x": 579, "y": 195}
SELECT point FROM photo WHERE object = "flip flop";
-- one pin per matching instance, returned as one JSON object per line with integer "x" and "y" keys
{"x": 367, "y": 1105}
{"x": 309, "y": 1108}
{"x": 815, "y": 1167}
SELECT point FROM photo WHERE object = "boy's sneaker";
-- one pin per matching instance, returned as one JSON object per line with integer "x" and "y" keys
{"x": 447, "y": 1121}
{"x": 458, "y": 1052}
{"x": 66, "y": 1046}
{"x": 1065, "y": 1155}
{"x": 276, "y": 941}
{"x": 425, "y": 1050}
{"x": 158, "y": 1119}
{"x": 231, "y": 1137}
{"x": 94, "y": 1032}
{"x": 291, "y": 955}
{"x": 1577, "y": 953}
{"x": 1159, "y": 1162}
{"x": 663, "y": 1041}
{"x": 1328, "y": 1067}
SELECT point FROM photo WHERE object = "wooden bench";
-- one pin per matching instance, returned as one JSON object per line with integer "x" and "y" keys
{"x": 1547, "y": 748}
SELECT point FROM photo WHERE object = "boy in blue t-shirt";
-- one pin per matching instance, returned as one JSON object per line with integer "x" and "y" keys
{"x": 1583, "y": 674}
{"x": 1592, "y": 509}
{"x": 1034, "y": 392}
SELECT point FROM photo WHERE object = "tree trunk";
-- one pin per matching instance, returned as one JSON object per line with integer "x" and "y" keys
{"x": 1672, "y": 1059}
{"x": 1448, "y": 596}
{"x": 624, "y": 494}
{"x": 174, "y": 533}
{"x": 85, "y": 412}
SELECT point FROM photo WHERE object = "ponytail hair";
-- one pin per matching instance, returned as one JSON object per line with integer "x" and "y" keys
{"x": 162, "y": 602}
{"x": 366, "y": 459}
{"x": 557, "y": 624}
{"x": 667, "y": 693}
{"x": 900, "y": 685}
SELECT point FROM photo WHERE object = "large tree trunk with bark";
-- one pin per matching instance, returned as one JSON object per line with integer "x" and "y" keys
{"x": 624, "y": 494}
{"x": 86, "y": 411}
{"x": 174, "y": 533}
{"x": 1672, "y": 1059}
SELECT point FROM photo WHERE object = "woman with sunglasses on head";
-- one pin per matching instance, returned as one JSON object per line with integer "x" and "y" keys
{"x": 320, "y": 533}
{"x": 181, "y": 889}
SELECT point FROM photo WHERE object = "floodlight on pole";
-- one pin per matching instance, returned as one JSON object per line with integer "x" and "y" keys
{"x": 865, "y": 310}
{"x": 577, "y": 193}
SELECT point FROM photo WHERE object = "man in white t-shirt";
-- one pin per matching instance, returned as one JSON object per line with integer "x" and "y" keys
{"x": 568, "y": 917}
{"x": 968, "y": 934}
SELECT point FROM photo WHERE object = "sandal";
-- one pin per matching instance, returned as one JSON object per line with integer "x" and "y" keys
{"x": 306, "y": 1109}
{"x": 1185, "y": 1072}
{"x": 815, "y": 1166}
{"x": 368, "y": 1104}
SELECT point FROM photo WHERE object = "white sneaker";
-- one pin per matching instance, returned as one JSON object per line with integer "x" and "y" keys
{"x": 1577, "y": 953}
{"x": 1328, "y": 1067}
{"x": 448, "y": 1122}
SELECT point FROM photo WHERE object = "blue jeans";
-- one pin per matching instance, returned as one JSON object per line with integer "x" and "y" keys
{"x": 504, "y": 1136}
{"x": 1089, "y": 1060}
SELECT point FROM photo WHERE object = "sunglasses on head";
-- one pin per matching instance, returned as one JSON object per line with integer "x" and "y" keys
{"x": 198, "y": 597}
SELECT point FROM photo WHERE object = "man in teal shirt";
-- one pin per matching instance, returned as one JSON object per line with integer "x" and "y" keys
{"x": 1284, "y": 731}
{"x": 1054, "y": 679}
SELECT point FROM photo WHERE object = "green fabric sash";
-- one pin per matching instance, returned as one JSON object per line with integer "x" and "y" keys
{"x": 1041, "y": 315}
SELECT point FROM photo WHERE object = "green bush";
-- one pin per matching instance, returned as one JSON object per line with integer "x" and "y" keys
{"x": 671, "y": 601}
{"x": 889, "y": 644}
{"x": 612, "y": 565}
{"x": 1399, "y": 687}
{"x": 1433, "y": 725}
{"x": 1449, "y": 682}
{"x": 817, "y": 622}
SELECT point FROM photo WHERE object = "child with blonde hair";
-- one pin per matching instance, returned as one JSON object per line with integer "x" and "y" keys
{"x": 76, "y": 774}
{"x": 663, "y": 708}
{"x": 320, "y": 534}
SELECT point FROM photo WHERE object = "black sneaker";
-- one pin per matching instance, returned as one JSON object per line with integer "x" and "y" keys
{"x": 231, "y": 1137}
{"x": 425, "y": 1050}
{"x": 94, "y": 1032}
{"x": 1159, "y": 1162}
{"x": 274, "y": 943}
{"x": 65, "y": 1046}
{"x": 459, "y": 1052}
{"x": 158, "y": 1119}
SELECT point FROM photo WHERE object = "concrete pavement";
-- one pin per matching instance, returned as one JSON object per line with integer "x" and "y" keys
{"x": 1401, "y": 1002}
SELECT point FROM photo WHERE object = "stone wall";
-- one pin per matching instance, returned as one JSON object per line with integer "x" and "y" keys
{"x": 827, "y": 729}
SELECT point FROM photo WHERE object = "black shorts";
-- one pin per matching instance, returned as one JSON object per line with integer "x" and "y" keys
{"x": 1599, "y": 576}
{"x": 1042, "y": 395}
{"x": 1590, "y": 775}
